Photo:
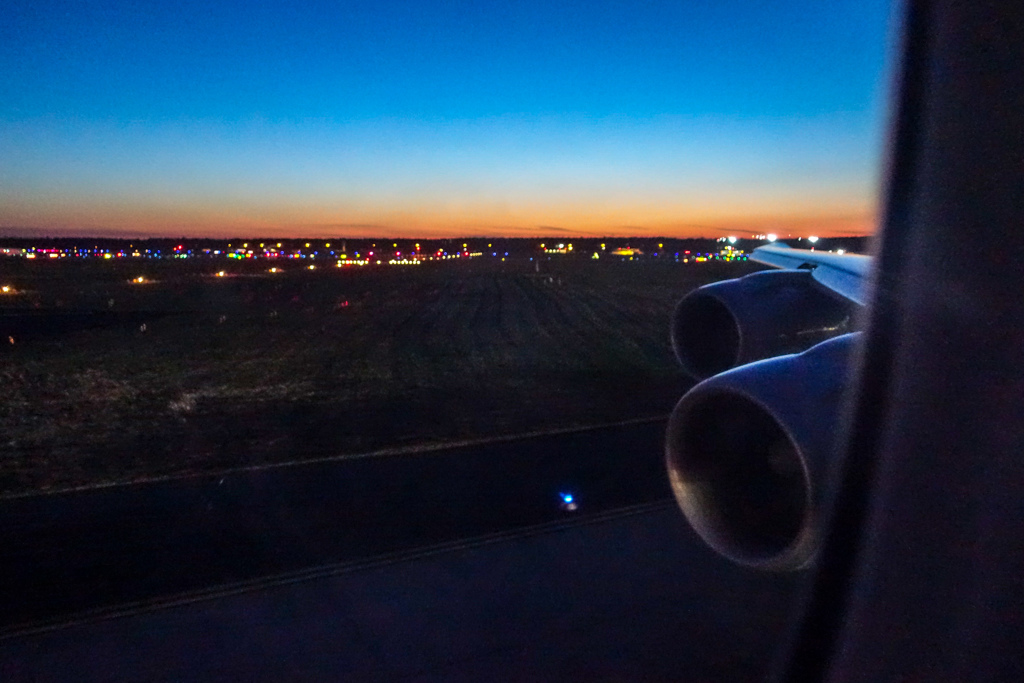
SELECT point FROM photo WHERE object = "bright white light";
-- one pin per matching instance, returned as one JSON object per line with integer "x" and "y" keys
{"x": 732, "y": 240}
{"x": 771, "y": 237}
{"x": 812, "y": 239}
{"x": 840, "y": 251}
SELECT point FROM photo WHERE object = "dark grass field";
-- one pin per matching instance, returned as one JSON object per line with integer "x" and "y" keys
{"x": 257, "y": 368}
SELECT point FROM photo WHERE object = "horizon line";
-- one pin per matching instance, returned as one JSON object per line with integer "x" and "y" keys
{"x": 280, "y": 238}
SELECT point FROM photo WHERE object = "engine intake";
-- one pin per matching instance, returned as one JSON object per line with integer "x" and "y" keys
{"x": 749, "y": 454}
{"x": 734, "y": 322}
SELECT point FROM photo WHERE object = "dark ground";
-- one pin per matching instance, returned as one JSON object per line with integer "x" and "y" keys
{"x": 85, "y": 550}
{"x": 448, "y": 564}
{"x": 454, "y": 565}
{"x": 258, "y": 368}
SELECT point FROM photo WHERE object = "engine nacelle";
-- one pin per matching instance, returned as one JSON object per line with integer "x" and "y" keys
{"x": 734, "y": 322}
{"x": 750, "y": 454}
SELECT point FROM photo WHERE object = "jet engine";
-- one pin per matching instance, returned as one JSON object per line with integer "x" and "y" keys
{"x": 733, "y": 322}
{"x": 750, "y": 452}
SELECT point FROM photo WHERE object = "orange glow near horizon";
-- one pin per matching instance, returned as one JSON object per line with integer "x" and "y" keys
{"x": 607, "y": 219}
{"x": 495, "y": 178}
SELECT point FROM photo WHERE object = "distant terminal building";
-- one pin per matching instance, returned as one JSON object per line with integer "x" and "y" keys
{"x": 626, "y": 251}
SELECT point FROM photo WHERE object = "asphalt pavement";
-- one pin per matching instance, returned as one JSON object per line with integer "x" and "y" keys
{"x": 82, "y": 551}
{"x": 456, "y": 564}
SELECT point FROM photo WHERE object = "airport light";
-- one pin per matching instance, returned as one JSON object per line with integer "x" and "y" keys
{"x": 732, "y": 240}
{"x": 812, "y": 239}
{"x": 771, "y": 237}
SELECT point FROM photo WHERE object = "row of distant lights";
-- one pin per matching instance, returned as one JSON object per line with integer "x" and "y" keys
{"x": 561, "y": 248}
{"x": 245, "y": 251}
{"x": 771, "y": 237}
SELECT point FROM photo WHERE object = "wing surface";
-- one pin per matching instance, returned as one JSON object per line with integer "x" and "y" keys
{"x": 845, "y": 274}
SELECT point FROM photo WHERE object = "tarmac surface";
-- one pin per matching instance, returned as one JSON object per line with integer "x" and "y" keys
{"x": 454, "y": 564}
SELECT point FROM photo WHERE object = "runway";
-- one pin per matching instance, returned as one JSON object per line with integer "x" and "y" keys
{"x": 87, "y": 550}
{"x": 467, "y": 550}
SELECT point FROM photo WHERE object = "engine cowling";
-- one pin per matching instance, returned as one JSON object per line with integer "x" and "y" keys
{"x": 730, "y": 323}
{"x": 750, "y": 454}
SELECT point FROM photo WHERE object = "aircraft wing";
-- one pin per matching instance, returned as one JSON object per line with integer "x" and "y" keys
{"x": 845, "y": 274}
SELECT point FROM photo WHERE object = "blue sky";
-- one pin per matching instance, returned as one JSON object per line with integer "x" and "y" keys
{"x": 440, "y": 117}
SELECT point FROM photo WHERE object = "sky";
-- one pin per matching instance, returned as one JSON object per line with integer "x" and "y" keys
{"x": 435, "y": 119}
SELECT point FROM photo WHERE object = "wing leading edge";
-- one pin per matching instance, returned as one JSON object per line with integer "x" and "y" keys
{"x": 844, "y": 274}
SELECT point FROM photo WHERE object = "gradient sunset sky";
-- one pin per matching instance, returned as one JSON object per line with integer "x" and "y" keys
{"x": 432, "y": 119}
